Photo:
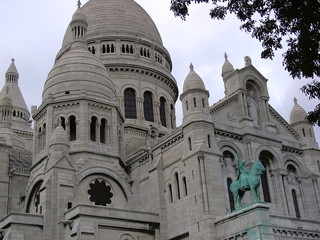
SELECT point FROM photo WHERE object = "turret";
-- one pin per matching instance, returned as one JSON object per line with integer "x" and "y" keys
{"x": 195, "y": 98}
{"x": 298, "y": 120}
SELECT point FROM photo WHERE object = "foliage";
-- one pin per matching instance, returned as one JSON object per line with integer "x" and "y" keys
{"x": 273, "y": 23}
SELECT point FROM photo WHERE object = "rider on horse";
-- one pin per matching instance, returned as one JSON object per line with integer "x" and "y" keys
{"x": 242, "y": 173}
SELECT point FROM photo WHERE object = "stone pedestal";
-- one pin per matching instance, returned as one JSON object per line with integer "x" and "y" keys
{"x": 250, "y": 223}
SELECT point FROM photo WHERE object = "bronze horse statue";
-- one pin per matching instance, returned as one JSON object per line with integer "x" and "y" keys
{"x": 247, "y": 182}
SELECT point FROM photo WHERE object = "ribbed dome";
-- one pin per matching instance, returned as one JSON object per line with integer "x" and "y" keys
{"x": 227, "y": 66}
{"x": 193, "y": 81}
{"x": 298, "y": 114}
{"x": 78, "y": 71}
{"x": 107, "y": 18}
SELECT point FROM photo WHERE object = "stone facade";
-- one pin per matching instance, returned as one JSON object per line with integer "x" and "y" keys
{"x": 105, "y": 159}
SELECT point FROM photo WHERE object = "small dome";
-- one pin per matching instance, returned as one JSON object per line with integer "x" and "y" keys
{"x": 193, "y": 81}
{"x": 76, "y": 72}
{"x": 298, "y": 114}
{"x": 59, "y": 137}
{"x": 227, "y": 66}
{"x": 79, "y": 16}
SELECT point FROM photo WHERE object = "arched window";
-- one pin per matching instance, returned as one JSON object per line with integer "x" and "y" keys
{"x": 148, "y": 106}
{"x": 185, "y": 186}
{"x": 73, "y": 128}
{"x": 209, "y": 141}
{"x": 203, "y": 105}
{"x": 14, "y": 113}
{"x": 194, "y": 102}
{"x": 231, "y": 199}
{"x": 104, "y": 48}
{"x": 190, "y": 144}
{"x": 163, "y": 111}
{"x": 103, "y": 130}
{"x": 93, "y": 124}
{"x": 177, "y": 185}
{"x": 130, "y": 103}
{"x": 170, "y": 193}
{"x": 295, "y": 203}
{"x": 93, "y": 50}
{"x": 187, "y": 105}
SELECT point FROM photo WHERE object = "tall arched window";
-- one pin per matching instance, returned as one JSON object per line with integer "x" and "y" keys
{"x": 93, "y": 125}
{"x": 295, "y": 203}
{"x": 148, "y": 106}
{"x": 177, "y": 185}
{"x": 231, "y": 199}
{"x": 130, "y": 108}
{"x": 185, "y": 186}
{"x": 103, "y": 130}
{"x": 73, "y": 128}
{"x": 163, "y": 111}
{"x": 170, "y": 193}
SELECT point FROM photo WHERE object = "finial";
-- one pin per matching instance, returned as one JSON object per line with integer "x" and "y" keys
{"x": 295, "y": 100}
{"x": 79, "y": 4}
{"x": 12, "y": 60}
{"x": 225, "y": 56}
{"x": 191, "y": 66}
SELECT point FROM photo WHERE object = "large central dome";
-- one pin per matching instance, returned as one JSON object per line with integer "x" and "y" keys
{"x": 117, "y": 17}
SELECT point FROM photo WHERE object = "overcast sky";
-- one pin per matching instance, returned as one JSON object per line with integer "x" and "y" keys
{"x": 32, "y": 33}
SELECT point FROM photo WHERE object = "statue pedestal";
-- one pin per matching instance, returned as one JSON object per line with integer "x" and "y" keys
{"x": 249, "y": 223}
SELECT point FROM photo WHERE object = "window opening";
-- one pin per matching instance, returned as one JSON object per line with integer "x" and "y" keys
{"x": 177, "y": 183}
{"x": 265, "y": 185}
{"x": 185, "y": 186}
{"x": 73, "y": 128}
{"x": 231, "y": 199}
{"x": 103, "y": 130}
{"x": 130, "y": 103}
{"x": 190, "y": 145}
{"x": 295, "y": 203}
{"x": 170, "y": 193}
{"x": 148, "y": 106}
{"x": 93, "y": 125}
{"x": 163, "y": 111}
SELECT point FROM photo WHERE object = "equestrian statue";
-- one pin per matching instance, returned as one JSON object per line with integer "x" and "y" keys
{"x": 246, "y": 180}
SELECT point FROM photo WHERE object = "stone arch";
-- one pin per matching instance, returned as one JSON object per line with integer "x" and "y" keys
{"x": 107, "y": 172}
{"x": 33, "y": 195}
{"x": 258, "y": 85}
{"x": 296, "y": 163}
{"x": 275, "y": 163}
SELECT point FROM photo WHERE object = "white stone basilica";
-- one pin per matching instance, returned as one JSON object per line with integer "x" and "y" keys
{"x": 105, "y": 160}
